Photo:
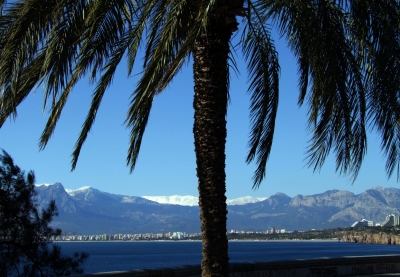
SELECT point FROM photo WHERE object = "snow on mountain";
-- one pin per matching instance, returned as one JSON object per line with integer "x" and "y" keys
{"x": 193, "y": 201}
{"x": 73, "y": 192}
{"x": 46, "y": 185}
{"x": 90, "y": 194}
{"x": 186, "y": 200}
{"x": 244, "y": 200}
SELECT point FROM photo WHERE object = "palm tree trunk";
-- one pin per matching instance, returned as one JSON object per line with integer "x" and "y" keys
{"x": 210, "y": 105}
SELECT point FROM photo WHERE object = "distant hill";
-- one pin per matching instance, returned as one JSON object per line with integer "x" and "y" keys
{"x": 91, "y": 211}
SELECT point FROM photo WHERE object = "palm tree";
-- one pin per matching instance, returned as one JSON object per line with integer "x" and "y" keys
{"x": 348, "y": 65}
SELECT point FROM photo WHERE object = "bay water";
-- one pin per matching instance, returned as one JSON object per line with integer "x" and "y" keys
{"x": 127, "y": 255}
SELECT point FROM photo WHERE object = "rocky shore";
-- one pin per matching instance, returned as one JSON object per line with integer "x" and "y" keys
{"x": 378, "y": 238}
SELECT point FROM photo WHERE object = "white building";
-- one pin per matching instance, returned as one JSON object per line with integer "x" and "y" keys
{"x": 177, "y": 235}
{"x": 362, "y": 223}
{"x": 391, "y": 220}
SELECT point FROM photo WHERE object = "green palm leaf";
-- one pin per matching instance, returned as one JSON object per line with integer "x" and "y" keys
{"x": 337, "y": 96}
{"x": 263, "y": 69}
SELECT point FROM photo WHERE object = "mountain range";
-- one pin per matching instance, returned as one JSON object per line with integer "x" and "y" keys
{"x": 91, "y": 211}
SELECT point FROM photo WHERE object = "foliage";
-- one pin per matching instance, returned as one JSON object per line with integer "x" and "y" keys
{"x": 344, "y": 51}
{"x": 25, "y": 234}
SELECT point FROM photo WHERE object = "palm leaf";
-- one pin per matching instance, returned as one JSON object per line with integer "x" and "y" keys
{"x": 263, "y": 70}
{"x": 104, "y": 83}
{"x": 22, "y": 29}
{"x": 317, "y": 34}
{"x": 383, "y": 78}
{"x": 166, "y": 53}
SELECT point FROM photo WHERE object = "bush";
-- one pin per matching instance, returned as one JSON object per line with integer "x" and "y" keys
{"x": 25, "y": 235}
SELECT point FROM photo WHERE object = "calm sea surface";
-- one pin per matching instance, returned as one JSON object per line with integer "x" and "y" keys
{"x": 115, "y": 256}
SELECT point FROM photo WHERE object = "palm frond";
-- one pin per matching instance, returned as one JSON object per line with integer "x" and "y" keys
{"x": 263, "y": 70}
{"x": 102, "y": 38}
{"x": 56, "y": 109}
{"x": 23, "y": 29}
{"x": 107, "y": 21}
{"x": 101, "y": 88}
{"x": 382, "y": 68}
{"x": 9, "y": 99}
{"x": 142, "y": 15}
{"x": 180, "y": 14}
{"x": 317, "y": 34}
{"x": 62, "y": 47}
{"x": 166, "y": 53}
{"x": 158, "y": 13}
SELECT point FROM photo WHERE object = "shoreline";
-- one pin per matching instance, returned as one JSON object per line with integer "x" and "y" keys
{"x": 242, "y": 240}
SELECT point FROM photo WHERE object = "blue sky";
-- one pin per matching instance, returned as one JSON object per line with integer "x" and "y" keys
{"x": 166, "y": 164}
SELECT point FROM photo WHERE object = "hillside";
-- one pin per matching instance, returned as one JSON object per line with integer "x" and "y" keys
{"x": 90, "y": 211}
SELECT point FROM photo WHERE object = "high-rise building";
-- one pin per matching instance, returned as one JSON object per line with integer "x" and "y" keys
{"x": 391, "y": 220}
{"x": 362, "y": 223}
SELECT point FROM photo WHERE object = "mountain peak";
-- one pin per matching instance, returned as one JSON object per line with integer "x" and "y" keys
{"x": 378, "y": 188}
{"x": 84, "y": 188}
{"x": 81, "y": 190}
{"x": 280, "y": 195}
{"x": 49, "y": 185}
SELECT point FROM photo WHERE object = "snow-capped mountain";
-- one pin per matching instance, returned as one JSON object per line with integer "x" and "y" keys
{"x": 186, "y": 200}
{"x": 244, "y": 200}
{"x": 72, "y": 192}
{"x": 46, "y": 185}
{"x": 88, "y": 193}
{"x": 90, "y": 211}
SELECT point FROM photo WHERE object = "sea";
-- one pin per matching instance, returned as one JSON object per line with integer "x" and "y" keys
{"x": 127, "y": 255}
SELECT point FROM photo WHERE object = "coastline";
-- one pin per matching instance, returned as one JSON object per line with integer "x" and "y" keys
{"x": 232, "y": 240}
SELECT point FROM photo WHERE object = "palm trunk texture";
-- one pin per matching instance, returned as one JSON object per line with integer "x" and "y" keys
{"x": 210, "y": 106}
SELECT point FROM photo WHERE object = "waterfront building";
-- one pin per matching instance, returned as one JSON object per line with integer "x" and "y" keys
{"x": 363, "y": 223}
{"x": 391, "y": 220}
{"x": 177, "y": 235}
